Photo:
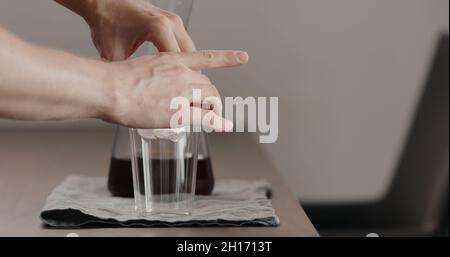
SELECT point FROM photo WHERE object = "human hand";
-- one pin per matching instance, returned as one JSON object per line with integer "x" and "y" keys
{"x": 142, "y": 88}
{"x": 118, "y": 28}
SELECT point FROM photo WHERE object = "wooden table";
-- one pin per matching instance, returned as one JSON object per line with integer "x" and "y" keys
{"x": 33, "y": 162}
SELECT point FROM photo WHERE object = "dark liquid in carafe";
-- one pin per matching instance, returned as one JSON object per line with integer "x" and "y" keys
{"x": 120, "y": 180}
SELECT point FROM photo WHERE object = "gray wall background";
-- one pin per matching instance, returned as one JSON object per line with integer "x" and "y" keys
{"x": 347, "y": 73}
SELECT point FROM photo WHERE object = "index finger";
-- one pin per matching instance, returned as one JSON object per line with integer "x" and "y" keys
{"x": 210, "y": 59}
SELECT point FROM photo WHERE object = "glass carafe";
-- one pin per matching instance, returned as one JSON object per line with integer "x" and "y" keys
{"x": 120, "y": 182}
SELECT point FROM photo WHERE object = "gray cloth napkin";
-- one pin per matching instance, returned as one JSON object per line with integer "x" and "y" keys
{"x": 82, "y": 200}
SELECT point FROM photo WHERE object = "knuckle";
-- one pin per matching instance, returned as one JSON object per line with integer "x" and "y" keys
{"x": 162, "y": 54}
{"x": 180, "y": 69}
{"x": 203, "y": 78}
{"x": 176, "y": 71}
{"x": 162, "y": 21}
{"x": 134, "y": 64}
{"x": 164, "y": 57}
{"x": 175, "y": 19}
{"x": 160, "y": 25}
{"x": 206, "y": 54}
{"x": 212, "y": 89}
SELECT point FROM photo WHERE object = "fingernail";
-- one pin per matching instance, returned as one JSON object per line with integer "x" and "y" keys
{"x": 242, "y": 57}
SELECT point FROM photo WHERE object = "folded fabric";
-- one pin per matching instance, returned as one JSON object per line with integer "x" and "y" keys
{"x": 82, "y": 200}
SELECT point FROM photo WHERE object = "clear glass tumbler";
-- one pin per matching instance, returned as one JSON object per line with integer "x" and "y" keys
{"x": 164, "y": 164}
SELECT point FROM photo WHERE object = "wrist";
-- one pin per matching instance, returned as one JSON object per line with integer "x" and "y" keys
{"x": 104, "y": 105}
{"x": 88, "y": 9}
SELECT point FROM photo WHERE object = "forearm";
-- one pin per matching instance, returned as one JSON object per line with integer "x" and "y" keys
{"x": 43, "y": 84}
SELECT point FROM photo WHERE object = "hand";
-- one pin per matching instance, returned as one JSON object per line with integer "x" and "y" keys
{"x": 143, "y": 88}
{"x": 118, "y": 28}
